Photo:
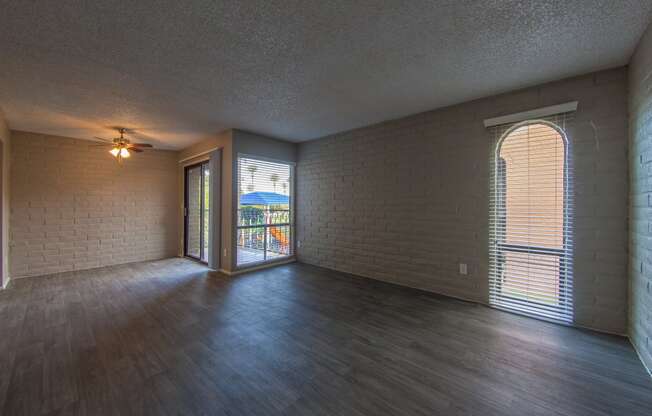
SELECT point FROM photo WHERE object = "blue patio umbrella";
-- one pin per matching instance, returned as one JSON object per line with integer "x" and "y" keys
{"x": 264, "y": 198}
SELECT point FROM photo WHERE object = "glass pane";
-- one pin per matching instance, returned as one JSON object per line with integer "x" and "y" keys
{"x": 206, "y": 211}
{"x": 251, "y": 245}
{"x": 194, "y": 212}
{"x": 264, "y": 210}
{"x": 251, "y": 215}
{"x": 533, "y": 161}
{"x": 278, "y": 241}
{"x": 532, "y": 272}
{"x": 279, "y": 215}
{"x": 532, "y": 277}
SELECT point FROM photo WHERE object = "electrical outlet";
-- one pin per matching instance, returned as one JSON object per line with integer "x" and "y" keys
{"x": 464, "y": 269}
{"x": 298, "y": 243}
{"x": 224, "y": 252}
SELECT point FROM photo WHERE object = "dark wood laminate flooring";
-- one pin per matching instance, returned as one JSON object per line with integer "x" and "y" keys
{"x": 169, "y": 337}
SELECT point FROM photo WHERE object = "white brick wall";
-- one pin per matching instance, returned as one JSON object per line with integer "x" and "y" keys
{"x": 407, "y": 200}
{"x": 640, "y": 104}
{"x": 74, "y": 207}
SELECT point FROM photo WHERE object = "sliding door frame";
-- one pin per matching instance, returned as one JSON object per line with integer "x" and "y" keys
{"x": 202, "y": 165}
{"x": 234, "y": 217}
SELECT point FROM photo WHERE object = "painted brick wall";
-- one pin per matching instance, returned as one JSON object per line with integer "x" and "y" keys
{"x": 407, "y": 200}
{"x": 640, "y": 105}
{"x": 74, "y": 207}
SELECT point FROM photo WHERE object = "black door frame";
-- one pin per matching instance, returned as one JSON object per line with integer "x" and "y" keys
{"x": 202, "y": 165}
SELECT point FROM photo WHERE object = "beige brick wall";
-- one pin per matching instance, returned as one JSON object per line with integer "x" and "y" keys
{"x": 407, "y": 200}
{"x": 74, "y": 207}
{"x": 640, "y": 111}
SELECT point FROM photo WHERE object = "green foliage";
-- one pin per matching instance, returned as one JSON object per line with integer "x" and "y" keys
{"x": 251, "y": 215}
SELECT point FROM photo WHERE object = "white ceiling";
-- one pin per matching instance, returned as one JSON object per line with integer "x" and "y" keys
{"x": 179, "y": 71}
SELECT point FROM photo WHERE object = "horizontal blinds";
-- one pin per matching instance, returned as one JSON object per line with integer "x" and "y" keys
{"x": 264, "y": 210}
{"x": 531, "y": 220}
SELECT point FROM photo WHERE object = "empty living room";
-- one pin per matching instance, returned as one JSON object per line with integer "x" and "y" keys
{"x": 326, "y": 207}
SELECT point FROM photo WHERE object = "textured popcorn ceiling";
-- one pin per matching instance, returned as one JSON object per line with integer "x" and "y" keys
{"x": 180, "y": 71}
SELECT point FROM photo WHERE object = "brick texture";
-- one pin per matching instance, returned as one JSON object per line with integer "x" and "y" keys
{"x": 407, "y": 200}
{"x": 640, "y": 105}
{"x": 74, "y": 207}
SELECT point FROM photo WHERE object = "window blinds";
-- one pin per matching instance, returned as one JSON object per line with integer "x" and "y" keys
{"x": 265, "y": 217}
{"x": 531, "y": 210}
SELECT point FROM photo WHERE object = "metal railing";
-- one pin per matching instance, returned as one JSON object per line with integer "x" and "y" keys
{"x": 265, "y": 230}
{"x": 561, "y": 292}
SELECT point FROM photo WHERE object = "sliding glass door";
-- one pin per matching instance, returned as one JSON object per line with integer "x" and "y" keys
{"x": 265, "y": 217}
{"x": 196, "y": 211}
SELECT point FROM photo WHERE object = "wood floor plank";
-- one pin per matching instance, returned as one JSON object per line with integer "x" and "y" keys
{"x": 172, "y": 337}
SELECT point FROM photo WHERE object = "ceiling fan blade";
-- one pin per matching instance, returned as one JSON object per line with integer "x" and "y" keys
{"x": 141, "y": 145}
{"x": 104, "y": 140}
{"x": 135, "y": 149}
{"x": 100, "y": 144}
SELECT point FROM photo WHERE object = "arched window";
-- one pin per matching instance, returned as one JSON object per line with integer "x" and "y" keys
{"x": 530, "y": 238}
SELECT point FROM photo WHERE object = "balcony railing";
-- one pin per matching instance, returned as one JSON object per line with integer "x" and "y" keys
{"x": 263, "y": 234}
{"x": 546, "y": 274}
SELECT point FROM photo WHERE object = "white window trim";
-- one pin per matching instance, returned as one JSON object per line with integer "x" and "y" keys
{"x": 537, "y": 113}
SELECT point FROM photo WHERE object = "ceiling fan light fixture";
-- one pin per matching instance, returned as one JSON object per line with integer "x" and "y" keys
{"x": 121, "y": 147}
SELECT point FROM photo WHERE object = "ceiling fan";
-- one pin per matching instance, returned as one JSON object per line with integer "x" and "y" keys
{"x": 121, "y": 147}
